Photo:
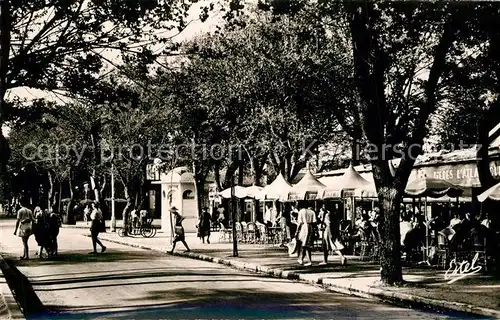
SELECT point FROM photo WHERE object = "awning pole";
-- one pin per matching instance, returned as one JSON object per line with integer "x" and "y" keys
{"x": 426, "y": 231}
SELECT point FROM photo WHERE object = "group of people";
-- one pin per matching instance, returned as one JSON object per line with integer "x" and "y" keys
{"x": 309, "y": 226}
{"x": 45, "y": 224}
{"x": 462, "y": 230}
{"x": 138, "y": 217}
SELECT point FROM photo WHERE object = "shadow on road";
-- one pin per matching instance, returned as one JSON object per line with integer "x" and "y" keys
{"x": 78, "y": 257}
{"x": 25, "y": 296}
{"x": 197, "y": 303}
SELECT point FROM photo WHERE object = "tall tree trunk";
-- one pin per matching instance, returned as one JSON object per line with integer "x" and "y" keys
{"x": 241, "y": 202}
{"x": 389, "y": 201}
{"x": 230, "y": 171}
{"x": 297, "y": 167}
{"x": 257, "y": 168}
{"x": 70, "y": 218}
{"x": 233, "y": 221}
{"x": 96, "y": 175}
{"x": 217, "y": 175}
{"x": 200, "y": 192}
{"x": 51, "y": 192}
{"x": 5, "y": 29}
{"x": 129, "y": 195}
{"x": 355, "y": 152}
{"x": 200, "y": 175}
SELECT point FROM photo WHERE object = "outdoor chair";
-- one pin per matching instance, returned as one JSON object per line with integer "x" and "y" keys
{"x": 224, "y": 233}
{"x": 251, "y": 232}
{"x": 239, "y": 231}
{"x": 244, "y": 228}
{"x": 443, "y": 251}
{"x": 479, "y": 248}
{"x": 262, "y": 233}
{"x": 215, "y": 226}
{"x": 275, "y": 235}
{"x": 363, "y": 245}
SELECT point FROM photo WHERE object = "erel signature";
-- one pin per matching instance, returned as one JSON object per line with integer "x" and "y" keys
{"x": 458, "y": 271}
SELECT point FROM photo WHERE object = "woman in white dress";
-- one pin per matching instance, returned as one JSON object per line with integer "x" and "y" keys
{"x": 306, "y": 220}
{"x": 24, "y": 225}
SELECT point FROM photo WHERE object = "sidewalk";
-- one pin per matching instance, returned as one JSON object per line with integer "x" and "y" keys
{"x": 476, "y": 294}
{"x": 9, "y": 309}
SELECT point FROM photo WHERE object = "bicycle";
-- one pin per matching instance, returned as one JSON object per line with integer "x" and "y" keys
{"x": 146, "y": 229}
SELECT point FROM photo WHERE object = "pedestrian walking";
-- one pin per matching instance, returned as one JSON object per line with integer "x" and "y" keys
{"x": 330, "y": 238}
{"x": 86, "y": 214}
{"x": 40, "y": 231}
{"x": 54, "y": 226}
{"x": 222, "y": 216}
{"x": 307, "y": 221}
{"x": 204, "y": 225}
{"x": 24, "y": 225}
{"x": 143, "y": 217}
{"x": 270, "y": 216}
{"x": 96, "y": 226}
{"x": 284, "y": 220}
{"x": 179, "y": 230}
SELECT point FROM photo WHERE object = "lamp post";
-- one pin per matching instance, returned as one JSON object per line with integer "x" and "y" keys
{"x": 233, "y": 218}
{"x": 86, "y": 189}
{"x": 113, "y": 214}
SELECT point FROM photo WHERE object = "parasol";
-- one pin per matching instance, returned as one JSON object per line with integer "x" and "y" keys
{"x": 239, "y": 192}
{"x": 431, "y": 187}
{"x": 278, "y": 189}
{"x": 252, "y": 191}
{"x": 492, "y": 193}
{"x": 307, "y": 188}
{"x": 350, "y": 180}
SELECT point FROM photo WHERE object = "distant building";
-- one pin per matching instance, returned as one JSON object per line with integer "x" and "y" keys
{"x": 177, "y": 189}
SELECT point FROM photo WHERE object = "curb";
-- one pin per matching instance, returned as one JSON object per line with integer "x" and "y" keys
{"x": 12, "y": 308}
{"x": 69, "y": 226}
{"x": 353, "y": 290}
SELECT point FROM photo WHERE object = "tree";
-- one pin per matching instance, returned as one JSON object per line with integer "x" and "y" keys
{"x": 272, "y": 75}
{"x": 474, "y": 82}
{"x": 135, "y": 130}
{"x": 54, "y": 144}
{"x": 390, "y": 112}
{"x": 60, "y": 44}
{"x": 399, "y": 55}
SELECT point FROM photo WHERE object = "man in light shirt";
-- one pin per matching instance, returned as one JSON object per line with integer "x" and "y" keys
{"x": 486, "y": 221}
{"x": 134, "y": 217}
{"x": 268, "y": 216}
{"x": 405, "y": 226}
{"x": 456, "y": 220}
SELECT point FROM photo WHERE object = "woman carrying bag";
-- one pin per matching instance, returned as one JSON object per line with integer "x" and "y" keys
{"x": 179, "y": 230}
{"x": 330, "y": 237}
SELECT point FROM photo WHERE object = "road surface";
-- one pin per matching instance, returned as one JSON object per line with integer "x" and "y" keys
{"x": 129, "y": 283}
